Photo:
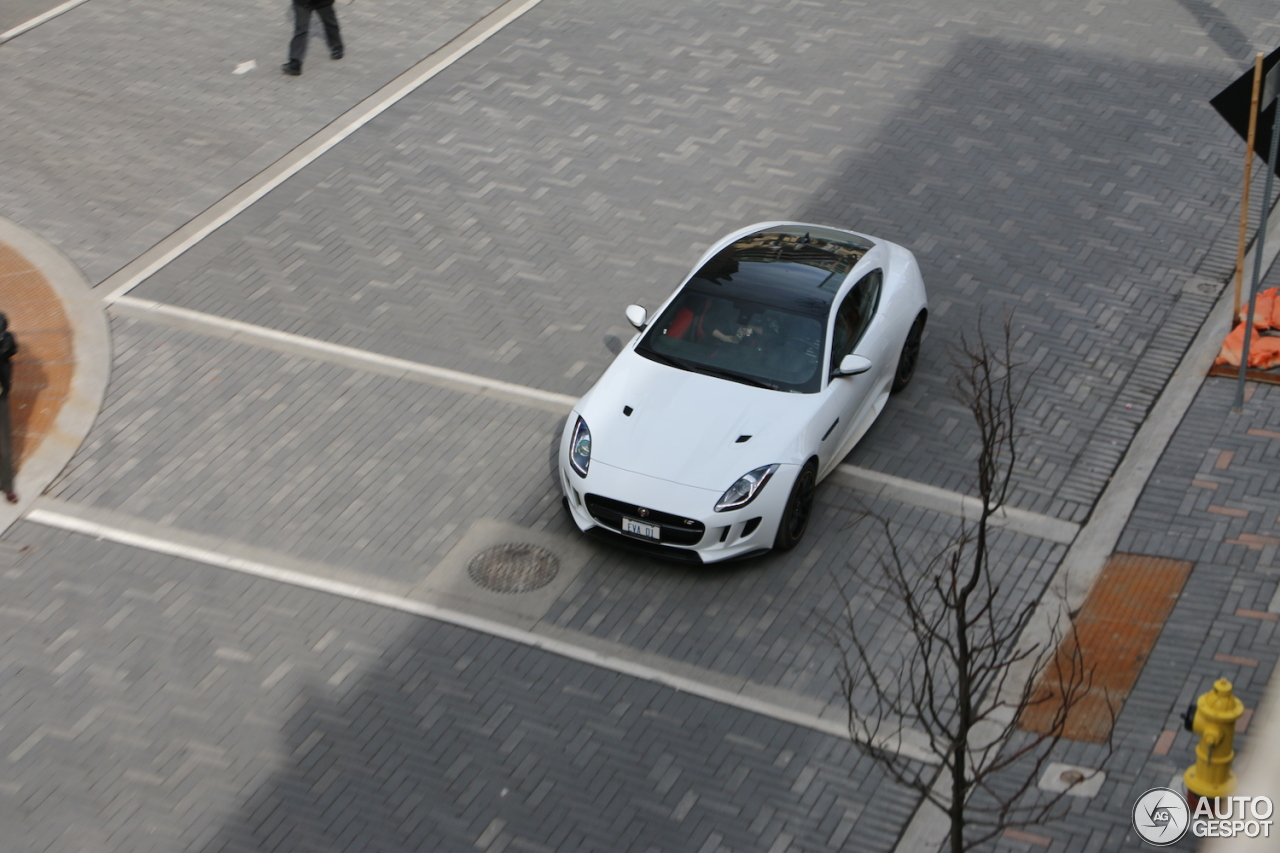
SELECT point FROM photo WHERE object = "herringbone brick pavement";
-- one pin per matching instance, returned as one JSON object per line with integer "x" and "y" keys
{"x": 1213, "y": 499}
{"x": 385, "y": 478}
{"x": 19, "y": 12}
{"x": 316, "y": 460}
{"x": 123, "y": 119}
{"x": 1054, "y": 166}
{"x": 1054, "y": 162}
{"x": 1224, "y": 622}
{"x": 771, "y": 621}
{"x": 156, "y": 705}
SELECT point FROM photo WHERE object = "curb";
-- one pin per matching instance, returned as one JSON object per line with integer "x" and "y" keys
{"x": 1084, "y": 560}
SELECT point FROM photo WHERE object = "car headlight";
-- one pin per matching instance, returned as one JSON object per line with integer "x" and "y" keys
{"x": 745, "y": 490}
{"x": 580, "y": 448}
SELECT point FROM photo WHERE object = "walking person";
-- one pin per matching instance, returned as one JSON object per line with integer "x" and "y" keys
{"x": 302, "y": 10}
{"x": 8, "y": 348}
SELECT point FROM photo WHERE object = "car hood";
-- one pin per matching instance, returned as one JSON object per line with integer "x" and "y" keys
{"x": 684, "y": 427}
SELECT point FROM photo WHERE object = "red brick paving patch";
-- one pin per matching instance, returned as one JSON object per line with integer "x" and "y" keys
{"x": 1253, "y": 541}
{"x": 1235, "y": 660}
{"x": 45, "y": 361}
{"x": 1115, "y": 631}
{"x": 1257, "y": 614}
{"x": 1242, "y": 723}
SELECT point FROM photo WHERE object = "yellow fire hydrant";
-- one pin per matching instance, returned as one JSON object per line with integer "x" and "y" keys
{"x": 1215, "y": 718}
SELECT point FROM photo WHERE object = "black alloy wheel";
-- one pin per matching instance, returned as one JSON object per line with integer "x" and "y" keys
{"x": 910, "y": 356}
{"x": 795, "y": 517}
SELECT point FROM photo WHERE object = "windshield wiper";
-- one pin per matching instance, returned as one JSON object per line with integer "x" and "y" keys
{"x": 721, "y": 373}
{"x": 668, "y": 360}
{"x": 704, "y": 369}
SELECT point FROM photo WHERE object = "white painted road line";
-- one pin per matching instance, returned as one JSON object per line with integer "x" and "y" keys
{"x": 356, "y": 359}
{"x": 231, "y": 205}
{"x": 70, "y": 517}
{"x": 893, "y": 488}
{"x": 861, "y": 480}
{"x": 40, "y": 19}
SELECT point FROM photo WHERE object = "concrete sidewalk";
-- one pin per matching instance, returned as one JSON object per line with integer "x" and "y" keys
{"x": 1212, "y": 499}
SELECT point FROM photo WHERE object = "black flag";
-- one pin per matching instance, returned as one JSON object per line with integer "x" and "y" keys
{"x": 1232, "y": 103}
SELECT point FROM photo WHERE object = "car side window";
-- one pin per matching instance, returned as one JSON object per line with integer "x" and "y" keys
{"x": 854, "y": 315}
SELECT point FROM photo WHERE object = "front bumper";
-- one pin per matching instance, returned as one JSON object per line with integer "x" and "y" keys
{"x": 600, "y": 500}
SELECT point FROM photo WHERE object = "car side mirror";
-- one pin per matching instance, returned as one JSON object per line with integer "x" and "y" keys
{"x": 638, "y": 317}
{"x": 852, "y": 365}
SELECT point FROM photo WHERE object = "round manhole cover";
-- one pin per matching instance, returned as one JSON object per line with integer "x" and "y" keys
{"x": 513, "y": 568}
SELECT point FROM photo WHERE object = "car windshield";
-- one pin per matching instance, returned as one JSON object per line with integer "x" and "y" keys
{"x": 756, "y": 312}
{"x": 738, "y": 340}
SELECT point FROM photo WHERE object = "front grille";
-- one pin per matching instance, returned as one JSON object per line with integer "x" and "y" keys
{"x": 647, "y": 547}
{"x": 676, "y": 530}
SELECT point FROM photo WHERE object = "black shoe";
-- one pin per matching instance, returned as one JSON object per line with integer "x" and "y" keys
{"x": 293, "y": 68}
{"x": 336, "y": 52}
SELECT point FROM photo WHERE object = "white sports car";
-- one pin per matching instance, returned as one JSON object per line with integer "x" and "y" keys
{"x": 705, "y": 438}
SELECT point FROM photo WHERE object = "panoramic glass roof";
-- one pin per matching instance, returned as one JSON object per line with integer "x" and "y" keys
{"x": 756, "y": 313}
{"x": 795, "y": 267}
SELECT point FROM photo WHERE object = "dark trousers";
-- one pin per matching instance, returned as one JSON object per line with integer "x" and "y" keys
{"x": 302, "y": 22}
{"x": 8, "y": 464}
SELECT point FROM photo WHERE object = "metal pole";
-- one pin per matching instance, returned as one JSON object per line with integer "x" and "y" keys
{"x": 1257, "y": 259}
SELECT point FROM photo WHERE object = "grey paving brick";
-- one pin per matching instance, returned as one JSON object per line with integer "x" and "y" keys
{"x": 499, "y": 219}
{"x": 124, "y": 120}
{"x": 283, "y": 454}
{"x": 304, "y": 458}
{"x": 164, "y": 736}
{"x": 1054, "y": 163}
{"x": 1203, "y": 623}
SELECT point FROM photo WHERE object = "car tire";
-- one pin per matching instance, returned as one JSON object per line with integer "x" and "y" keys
{"x": 909, "y": 357}
{"x": 795, "y": 516}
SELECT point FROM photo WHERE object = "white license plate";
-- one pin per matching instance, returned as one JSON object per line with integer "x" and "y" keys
{"x": 630, "y": 525}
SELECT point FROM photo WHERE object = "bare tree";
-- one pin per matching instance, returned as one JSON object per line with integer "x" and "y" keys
{"x": 961, "y": 682}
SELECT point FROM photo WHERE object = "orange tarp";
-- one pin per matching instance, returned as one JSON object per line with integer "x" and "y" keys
{"x": 1264, "y": 351}
{"x": 1263, "y": 308}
